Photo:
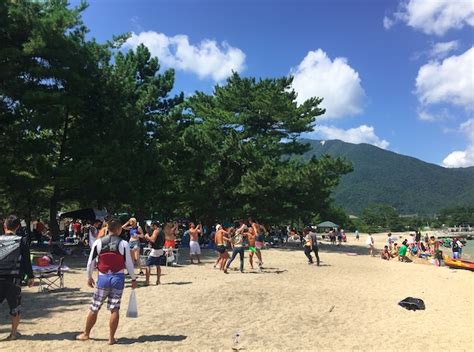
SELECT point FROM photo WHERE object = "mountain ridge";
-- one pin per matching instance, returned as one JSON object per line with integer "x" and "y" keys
{"x": 408, "y": 184}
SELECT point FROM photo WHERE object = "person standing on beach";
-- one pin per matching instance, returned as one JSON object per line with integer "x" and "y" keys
{"x": 314, "y": 244}
{"x": 237, "y": 241}
{"x": 259, "y": 240}
{"x": 15, "y": 263}
{"x": 136, "y": 233}
{"x": 221, "y": 240}
{"x": 370, "y": 243}
{"x": 194, "y": 248}
{"x": 251, "y": 236}
{"x": 307, "y": 246}
{"x": 389, "y": 241}
{"x": 111, "y": 255}
{"x": 170, "y": 230}
{"x": 93, "y": 232}
{"x": 157, "y": 240}
{"x": 456, "y": 246}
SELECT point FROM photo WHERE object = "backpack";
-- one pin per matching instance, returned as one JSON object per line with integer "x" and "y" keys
{"x": 10, "y": 254}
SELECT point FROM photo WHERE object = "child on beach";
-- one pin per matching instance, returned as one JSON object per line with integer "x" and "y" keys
{"x": 438, "y": 257}
{"x": 385, "y": 254}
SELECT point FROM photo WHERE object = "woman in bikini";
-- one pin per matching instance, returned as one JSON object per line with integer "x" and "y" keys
{"x": 136, "y": 233}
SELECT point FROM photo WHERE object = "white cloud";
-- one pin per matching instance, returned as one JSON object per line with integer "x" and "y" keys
{"x": 463, "y": 158}
{"x": 435, "y": 16}
{"x": 440, "y": 115}
{"x": 450, "y": 81}
{"x": 388, "y": 23}
{"x": 361, "y": 134}
{"x": 335, "y": 81}
{"x": 206, "y": 59}
{"x": 441, "y": 50}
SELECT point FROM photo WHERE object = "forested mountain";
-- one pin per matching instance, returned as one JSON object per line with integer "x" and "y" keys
{"x": 408, "y": 184}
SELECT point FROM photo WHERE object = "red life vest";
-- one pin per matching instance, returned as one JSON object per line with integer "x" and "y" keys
{"x": 110, "y": 259}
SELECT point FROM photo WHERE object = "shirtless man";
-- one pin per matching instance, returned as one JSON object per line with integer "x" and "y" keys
{"x": 170, "y": 234}
{"x": 194, "y": 248}
{"x": 221, "y": 240}
{"x": 255, "y": 243}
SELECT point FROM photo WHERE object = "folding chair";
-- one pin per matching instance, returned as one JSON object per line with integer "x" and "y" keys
{"x": 52, "y": 280}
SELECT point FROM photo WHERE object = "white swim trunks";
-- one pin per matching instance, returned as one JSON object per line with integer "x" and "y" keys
{"x": 194, "y": 248}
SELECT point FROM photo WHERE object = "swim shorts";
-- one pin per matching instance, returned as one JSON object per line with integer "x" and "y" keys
{"x": 170, "y": 243}
{"x": 134, "y": 244}
{"x": 221, "y": 249}
{"x": 10, "y": 290}
{"x": 156, "y": 261}
{"x": 108, "y": 286}
{"x": 258, "y": 244}
{"x": 194, "y": 248}
{"x": 252, "y": 249}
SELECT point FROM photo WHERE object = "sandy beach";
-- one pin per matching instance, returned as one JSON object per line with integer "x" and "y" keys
{"x": 348, "y": 303}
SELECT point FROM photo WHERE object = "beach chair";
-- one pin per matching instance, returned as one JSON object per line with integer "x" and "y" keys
{"x": 51, "y": 280}
{"x": 172, "y": 255}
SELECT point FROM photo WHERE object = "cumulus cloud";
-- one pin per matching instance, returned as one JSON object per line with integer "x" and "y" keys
{"x": 448, "y": 81}
{"x": 441, "y": 50}
{"x": 206, "y": 59}
{"x": 463, "y": 158}
{"x": 334, "y": 80}
{"x": 434, "y": 16}
{"x": 361, "y": 134}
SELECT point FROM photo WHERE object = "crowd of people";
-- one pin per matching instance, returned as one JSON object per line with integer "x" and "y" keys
{"x": 416, "y": 246}
{"x": 114, "y": 246}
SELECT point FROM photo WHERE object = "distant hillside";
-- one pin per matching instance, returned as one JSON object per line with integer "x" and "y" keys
{"x": 408, "y": 184}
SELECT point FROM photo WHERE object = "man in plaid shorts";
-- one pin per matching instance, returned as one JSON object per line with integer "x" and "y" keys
{"x": 111, "y": 255}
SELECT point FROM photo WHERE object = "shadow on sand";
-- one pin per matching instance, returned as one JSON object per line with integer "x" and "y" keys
{"x": 150, "y": 338}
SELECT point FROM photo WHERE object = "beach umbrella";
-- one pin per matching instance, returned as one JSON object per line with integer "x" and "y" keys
{"x": 327, "y": 224}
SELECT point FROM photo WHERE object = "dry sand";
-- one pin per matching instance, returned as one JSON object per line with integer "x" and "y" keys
{"x": 348, "y": 303}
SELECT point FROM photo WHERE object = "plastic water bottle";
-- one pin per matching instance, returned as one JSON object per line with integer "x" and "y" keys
{"x": 236, "y": 341}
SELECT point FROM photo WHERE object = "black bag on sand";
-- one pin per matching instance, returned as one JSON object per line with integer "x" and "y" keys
{"x": 411, "y": 303}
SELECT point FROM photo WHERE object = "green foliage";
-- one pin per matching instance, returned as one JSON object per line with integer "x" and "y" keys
{"x": 409, "y": 185}
{"x": 89, "y": 124}
{"x": 461, "y": 215}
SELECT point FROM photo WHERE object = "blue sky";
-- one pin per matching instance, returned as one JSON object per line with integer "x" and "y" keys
{"x": 398, "y": 74}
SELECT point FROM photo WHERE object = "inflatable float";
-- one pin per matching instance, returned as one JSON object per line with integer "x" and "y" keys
{"x": 459, "y": 263}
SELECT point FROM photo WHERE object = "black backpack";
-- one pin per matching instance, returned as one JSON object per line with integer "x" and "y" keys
{"x": 10, "y": 254}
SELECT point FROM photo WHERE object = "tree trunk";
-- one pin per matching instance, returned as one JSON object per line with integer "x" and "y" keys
{"x": 54, "y": 200}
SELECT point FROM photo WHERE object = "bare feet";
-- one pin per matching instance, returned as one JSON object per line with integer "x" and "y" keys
{"x": 82, "y": 337}
{"x": 158, "y": 282}
{"x": 112, "y": 341}
{"x": 147, "y": 283}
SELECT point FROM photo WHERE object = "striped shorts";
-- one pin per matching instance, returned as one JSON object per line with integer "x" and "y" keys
{"x": 108, "y": 286}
